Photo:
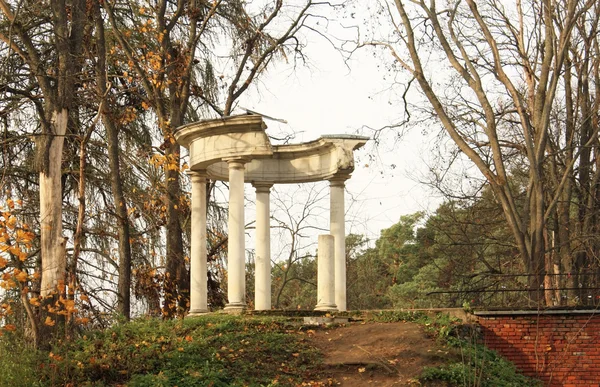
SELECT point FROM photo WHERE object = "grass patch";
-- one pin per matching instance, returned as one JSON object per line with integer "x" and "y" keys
{"x": 205, "y": 351}
{"x": 389, "y": 316}
{"x": 223, "y": 350}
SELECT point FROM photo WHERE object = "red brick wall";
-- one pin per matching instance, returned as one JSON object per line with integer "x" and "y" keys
{"x": 560, "y": 349}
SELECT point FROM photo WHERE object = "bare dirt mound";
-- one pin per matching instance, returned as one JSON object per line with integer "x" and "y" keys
{"x": 377, "y": 354}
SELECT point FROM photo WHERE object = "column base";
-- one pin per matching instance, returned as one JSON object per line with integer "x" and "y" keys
{"x": 327, "y": 307}
{"x": 197, "y": 312}
{"x": 235, "y": 306}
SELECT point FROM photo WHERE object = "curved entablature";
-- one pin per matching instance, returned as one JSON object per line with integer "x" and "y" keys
{"x": 213, "y": 142}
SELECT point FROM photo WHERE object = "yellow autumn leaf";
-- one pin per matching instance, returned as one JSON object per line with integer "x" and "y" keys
{"x": 8, "y": 284}
{"x": 14, "y": 250}
{"x": 70, "y": 306}
{"x": 21, "y": 276}
{"x": 23, "y": 236}
{"x": 49, "y": 322}
{"x": 11, "y": 222}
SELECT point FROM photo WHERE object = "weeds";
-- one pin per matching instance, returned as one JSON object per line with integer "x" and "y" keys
{"x": 226, "y": 351}
{"x": 18, "y": 362}
{"x": 206, "y": 351}
{"x": 476, "y": 365}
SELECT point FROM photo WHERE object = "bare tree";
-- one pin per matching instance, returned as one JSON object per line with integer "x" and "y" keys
{"x": 504, "y": 68}
{"x": 298, "y": 214}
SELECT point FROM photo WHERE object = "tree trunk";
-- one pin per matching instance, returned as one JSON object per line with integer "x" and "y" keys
{"x": 52, "y": 249}
{"x": 536, "y": 267}
{"x": 121, "y": 213}
{"x": 124, "y": 285}
{"x": 176, "y": 279}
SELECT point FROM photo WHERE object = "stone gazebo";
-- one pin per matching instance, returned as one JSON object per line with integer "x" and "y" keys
{"x": 237, "y": 149}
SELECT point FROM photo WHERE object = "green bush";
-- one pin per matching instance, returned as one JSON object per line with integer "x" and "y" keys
{"x": 18, "y": 362}
{"x": 211, "y": 351}
{"x": 477, "y": 365}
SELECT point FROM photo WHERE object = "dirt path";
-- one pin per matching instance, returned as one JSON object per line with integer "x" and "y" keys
{"x": 377, "y": 354}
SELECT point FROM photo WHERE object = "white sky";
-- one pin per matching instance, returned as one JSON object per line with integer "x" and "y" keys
{"x": 326, "y": 97}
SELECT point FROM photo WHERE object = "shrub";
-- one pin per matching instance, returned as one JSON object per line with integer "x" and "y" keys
{"x": 18, "y": 362}
{"x": 477, "y": 365}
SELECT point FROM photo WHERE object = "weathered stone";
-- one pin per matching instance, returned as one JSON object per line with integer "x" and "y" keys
{"x": 237, "y": 149}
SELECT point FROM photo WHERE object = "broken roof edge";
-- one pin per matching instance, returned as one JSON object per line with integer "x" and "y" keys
{"x": 346, "y": 137}
{"x": 185, "y": 134}
{"x": 247, "y": 122}
{"x": 325, "y": 140}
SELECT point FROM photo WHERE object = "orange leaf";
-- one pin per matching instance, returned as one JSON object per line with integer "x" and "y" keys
{"x": 82, "y": 320}
{"x": 23, "y": 236}
{"x": 14, "y": 250}
{"x": 11, "y": 222}
{"x": 70, "y": 306}
{"x": 10, "y": 328}
{"x": 21, "y": 276}
{"x": 49, "y": 322}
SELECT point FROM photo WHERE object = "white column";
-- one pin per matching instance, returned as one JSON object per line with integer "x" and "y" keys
{"x": 338, "y": 230}
{"x": 325, "y": 274}
{"x": 198, "y": 268}
{"x": 236, "y": 262}
{"x": 262, "y": 281}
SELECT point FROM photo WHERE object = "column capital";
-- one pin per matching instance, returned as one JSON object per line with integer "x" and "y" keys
{"x": 338, "y": 180}
{"x": 236, "y": 162}
{"x": 262, "y": 186}
{"x": 197, "y": 175}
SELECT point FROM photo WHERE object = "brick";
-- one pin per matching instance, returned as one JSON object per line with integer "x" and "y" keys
{"x": 575, "y": 341}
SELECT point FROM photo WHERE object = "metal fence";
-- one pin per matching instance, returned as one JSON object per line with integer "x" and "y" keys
{"x": 513, "y": 291}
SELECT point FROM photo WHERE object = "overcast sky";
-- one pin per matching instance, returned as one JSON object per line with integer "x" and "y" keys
{"x": 327, "y": 97}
